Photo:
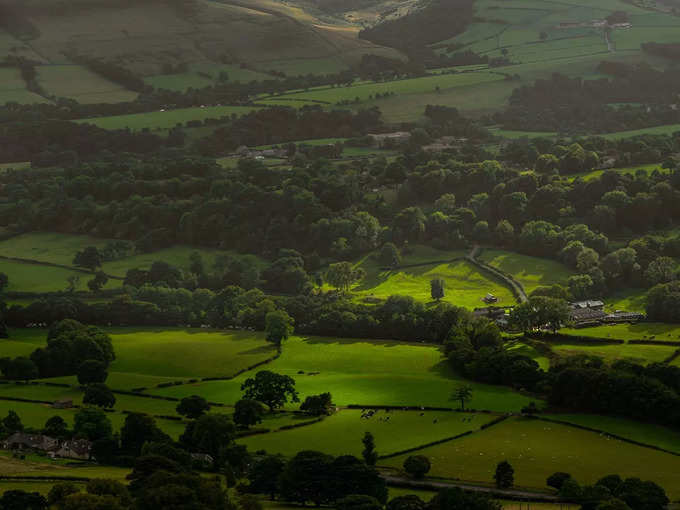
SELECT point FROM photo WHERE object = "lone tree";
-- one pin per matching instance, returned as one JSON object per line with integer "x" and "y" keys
{"x": 505, "y": 475}
{"x": 89, "y": 258}
{"x": 100, "y": 279}
{"x": 247, "y": 413}
{"x": 193, "y": 407}
{"x": 462, "y": 394}
{"x": 389, "y": 256}
{"x": 556, "y": 480}
{"x": 342, "y": 275}
{"x": 417, "y": 466}
{"x": 278, "y": 326}
{"x": 271, "y": 389}
{"x": 99, "y": 395}
{"x": 369, "y": 453}
{"x": 530, "y": 410}
{"x": 437, "y": 289}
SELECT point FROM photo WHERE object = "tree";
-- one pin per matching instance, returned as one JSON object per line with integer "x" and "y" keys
{"x": 60, "y": 491}
{"x": 4, "y": 282}
{"x": 318, "y": 405}
{"x": 22, "y": 500}
{"x": 92, "y": 371}
{"x": 211, "y": 434}
{"x": 271, "y": 389}
{"x": 530, "y": 410}
{"x": 72, "y": 283}
{"x": 358, "y": 502}
{"x": 504, "y": 475}
{"x": 307, "y": 477}
{"x": 462, "y": 394}
{"x": 437, "y": 288}
{"x": 458, "y": 499}
{"x": 108, "y": 487}
{"x": 19, "y": 368}
{"x": 369, "y": 453}
{"x": 92, "y": 424}
{"x": 408, "y": 502}
{"x": 660, "y": 270}
{"x": 417, "y": 466}
{"x": 56, "y": 427}
{"x": 556, "y": 480}
{"x": 248, "y": 412}
{"x": 389, "y": 256}
{"x": 12, "y": 423}
{"x": 137, "y": 430}
{"x": 278, "y": 326}
{"x": 85, "y": 501}
{"x": 264, "y": 475}
{"x": 343, "y": 274}
{"x": 99, "y": 394}
{"x": 505, "y": 233}
{"x": 193, "y": 407}
{"x": 97, "y": 283}
{"x": 89, "y": 258}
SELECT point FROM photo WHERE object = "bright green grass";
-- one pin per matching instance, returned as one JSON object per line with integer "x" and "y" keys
{"x": 167, "y": 119}
{"x": 465, "y": 285}
{"x": 633, "y": 300}
{"x": 647, "y": 433}
{"x": 531, "y": 272}
{"x": 5, "y": 167}
{"x": 41, "y": 466}
{"x": 77, "y": 82}
{"x": 537, "y": 449}
{"x": 647, "y": 169}
{"x": 364, "y": 373}
{"x": 657, "y": 130}
{"x": 516, "y": 135}
{"x": 145, "y": 354}
{"x": 48, "y": 246}
{"x": 341, "y": 433}
{"x": 641, "y": 331}
{"x": 612, "y": 352}
{"x": 518, "y": 347}
{"x": 37, "y": 278}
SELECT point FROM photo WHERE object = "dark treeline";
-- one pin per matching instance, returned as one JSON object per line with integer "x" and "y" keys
{"x": 666, "y": 50}
{"x": 598, "y": 106}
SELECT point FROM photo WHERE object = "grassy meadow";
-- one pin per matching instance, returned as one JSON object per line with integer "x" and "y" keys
{"x": 364, "y": 373}
{"x": 78, "y": 83}
{"x": 25, "y": 277}
{"x": 612, "y": 352}
{"x": 341, "y": 433}
{"x": 531, "y": 272}
{"x": 536, "y": 449}
{"x": 656, "y": 331}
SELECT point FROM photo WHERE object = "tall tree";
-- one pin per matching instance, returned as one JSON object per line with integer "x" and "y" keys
{"x": 369, "y": 453}
{"x": 271, "y": 389}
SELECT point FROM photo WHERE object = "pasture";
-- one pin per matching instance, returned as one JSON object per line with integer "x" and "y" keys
{"x": 148, "y": 356}
{"x": 78, "y": 83}
{"x": 612, "y": 352}
{"x": 166, "y": 119}
{"x": 364, "y": 373}
{"x": 394, "y": 431}
{"x": 49, "y": 247}
{"x": 531, "y": 272}
{"x": 656, "y": 331}
{"x": 465, "y": 285}
{"x": 647, "y": 433}
{"x": 13, "y": 87}
{"x": 536, "y": 449}
{"x": 26, "y": 277}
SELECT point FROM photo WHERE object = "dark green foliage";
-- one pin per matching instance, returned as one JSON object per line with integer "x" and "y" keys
{"x": 270, "y": 388}
{"x": 193, "y": 407}
{"x": 100, "y": 279}
{"x": 278, "y": 326}
{"x": 417, "y": 466}
{"x": 408, "y": 502}
{"x": 92, "y": 424}
{"x": 22, "y": 500}
{"x": 369, "y": 454}
{"x": 358, "y": 502}
{"x": 318, "y": 405}
{"x": 60, "y": 491}
{"x": 12, "y": 422}
{"x": 457, "y": 499}
{"x": 389, "y": 256}
{"x": 99, "y": 394}
{"x": 248, "y": 413}
{"x": 556, "y": 480}
{"x": 264, "y": 474}
{"x": 437, "y": 289}
{"x": 210, "y": 434}
{"x": 89, "y": 258}
{"x": 19, "y": 368}
{"x": 137, "y": 430}
{"x": 504, "y": 475}
{"x": 92, "y": 371}
{"x": 56, "y": 427}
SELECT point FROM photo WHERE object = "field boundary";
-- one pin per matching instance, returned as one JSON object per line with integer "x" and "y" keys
{"x": 61, "y": 266}
{"x": 572, "y": 339}
{"x": 515, "y": 286}
{"x": 485, "y": 426}
{"x": 609, "y": 434}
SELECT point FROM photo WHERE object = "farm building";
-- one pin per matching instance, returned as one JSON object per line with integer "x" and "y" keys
{"x": 388, "y": 140}
{"x": 71, "y": 449}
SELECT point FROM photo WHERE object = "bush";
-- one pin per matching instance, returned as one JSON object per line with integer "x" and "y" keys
{"x": 417, "y": 466}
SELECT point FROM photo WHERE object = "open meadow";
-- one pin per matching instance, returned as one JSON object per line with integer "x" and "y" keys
{"x": 76, "y": 82}
{"x": 657, "y": 331}
{"x": 537, "y": 449}
{"x": 364, "y": 373}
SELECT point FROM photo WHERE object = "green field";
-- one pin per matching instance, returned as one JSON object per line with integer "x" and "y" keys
{"x": 23, "y": 165}
{"x": 531, "y": 272}
{"x": 518, "y": 347}
{"x": 13, "y": 87}
{"x": 657, "y": 130}
{"x": 364, "y": 373}
{"x": 24, "y": 277}
{"x": 465, "y": 285}
{"x": 148, "y": 356}
{"x": 647, "y": 169}
{"x": 48, "y": 246}
{"x": 537, "y": 449}
{"x": 657, "y": 331}
{"x": 647, "y": 433}
{"x": 341, "y": 433}
{"x": 41, "y": 466}
{"x": 612, "y": 352}
{"x": 166, "y": 119}
{"x": 77, "y": 82}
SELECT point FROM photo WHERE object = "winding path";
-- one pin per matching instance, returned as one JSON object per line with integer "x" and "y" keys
{"x": 515, "y": 286}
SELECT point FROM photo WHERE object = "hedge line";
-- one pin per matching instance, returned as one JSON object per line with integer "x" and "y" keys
{"x": 573, "y": 339}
